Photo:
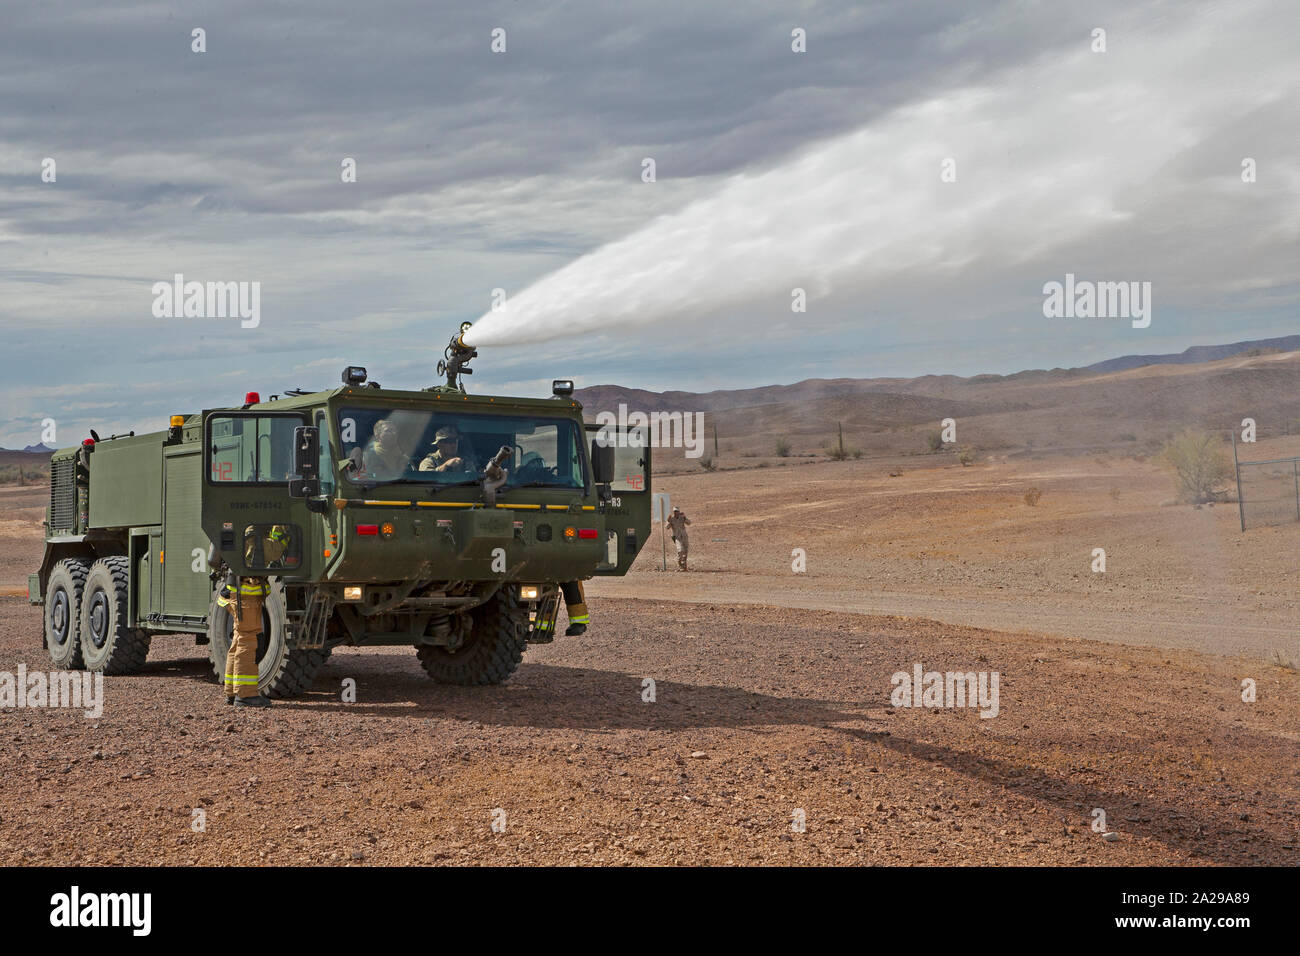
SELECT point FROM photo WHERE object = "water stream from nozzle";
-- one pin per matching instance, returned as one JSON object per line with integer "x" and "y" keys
{"x": 1074, "y": 143}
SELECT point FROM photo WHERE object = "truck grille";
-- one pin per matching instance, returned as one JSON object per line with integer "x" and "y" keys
{"x": 63, "y": 495}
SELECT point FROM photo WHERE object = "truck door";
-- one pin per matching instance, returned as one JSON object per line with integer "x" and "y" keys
{"x": 247, "y": 513}
{"x": 626, "y": 516}
{"x": 180, "y": 576}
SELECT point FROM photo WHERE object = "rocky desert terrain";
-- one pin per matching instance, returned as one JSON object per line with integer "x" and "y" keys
{"x": 770, "y": 736}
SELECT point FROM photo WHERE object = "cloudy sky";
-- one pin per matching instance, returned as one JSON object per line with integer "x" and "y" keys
{"x": 522, "y": 170}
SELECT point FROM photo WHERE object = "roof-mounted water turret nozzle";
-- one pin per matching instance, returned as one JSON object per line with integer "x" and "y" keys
{"x": 456, "y": 358}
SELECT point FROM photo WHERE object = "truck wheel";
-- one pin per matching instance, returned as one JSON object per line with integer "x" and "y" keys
{"x": 63, "y": 612}
{"x": 282, "y": 671}
{"x": 108, "y": 643}
{"x": 492, "y": 651}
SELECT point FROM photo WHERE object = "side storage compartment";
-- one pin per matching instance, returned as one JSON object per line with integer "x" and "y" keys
{"x": 146, "y": 576}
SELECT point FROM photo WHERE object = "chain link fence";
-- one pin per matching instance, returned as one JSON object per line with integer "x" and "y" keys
{"x": 1268, "y": 489}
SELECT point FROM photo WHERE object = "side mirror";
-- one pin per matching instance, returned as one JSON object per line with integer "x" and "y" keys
{"x": 306, "y": 462}
{"x": 602, "y": 462}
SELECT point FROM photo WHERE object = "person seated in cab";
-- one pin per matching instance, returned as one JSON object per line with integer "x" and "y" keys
{"x": 384, "y": 458}
{"x": 447, "y": 455}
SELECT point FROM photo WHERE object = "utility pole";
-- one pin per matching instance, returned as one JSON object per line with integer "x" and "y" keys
{"x": 1236, "y": 466}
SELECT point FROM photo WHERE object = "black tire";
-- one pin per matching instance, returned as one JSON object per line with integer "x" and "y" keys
{"x": 61, "y": 627}
{"x": 282, "y": 671}
{"x": 493, "y": 650}
{"x": 108, "y": 643}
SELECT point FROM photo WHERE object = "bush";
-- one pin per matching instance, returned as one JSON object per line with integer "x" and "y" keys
{"x": 708, "y": 464}
{"x": 966, "y": 456}
{"x": 782, "y": 448}
{"x": 1032, "y": 496}
{"x": 1199, "y": 464}
{"x": 934, "y": 441}
{"x": 23, "y": 475}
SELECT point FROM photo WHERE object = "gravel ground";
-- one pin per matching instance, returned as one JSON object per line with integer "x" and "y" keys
{"x": 759, "y": 712}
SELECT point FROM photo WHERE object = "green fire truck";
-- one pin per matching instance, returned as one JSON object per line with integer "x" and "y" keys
{"x": 463, "y": 563}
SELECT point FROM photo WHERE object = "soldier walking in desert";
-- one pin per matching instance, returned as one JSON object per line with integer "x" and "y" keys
{"x": 677, "y": 522}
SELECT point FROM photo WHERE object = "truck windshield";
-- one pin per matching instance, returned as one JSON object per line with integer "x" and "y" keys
{"x": 434, "y": 447}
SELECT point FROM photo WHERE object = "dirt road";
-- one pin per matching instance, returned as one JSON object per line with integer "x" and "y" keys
{"x": 962, "y": 546}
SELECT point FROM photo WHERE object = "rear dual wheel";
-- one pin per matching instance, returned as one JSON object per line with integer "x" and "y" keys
{"x": 62, "y": 623}
{"x": 109, "y": 644}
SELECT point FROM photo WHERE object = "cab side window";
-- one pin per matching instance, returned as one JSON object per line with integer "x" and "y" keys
{"x": 629, "y": 462}
{"x": 251, "y": 449}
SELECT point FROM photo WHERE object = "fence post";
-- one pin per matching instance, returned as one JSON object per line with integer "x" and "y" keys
{"x": 1295, "y": 474}
{"x": 1236, "y": 466}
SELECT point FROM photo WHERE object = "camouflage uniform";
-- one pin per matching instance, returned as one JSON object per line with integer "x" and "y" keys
{"x": 248, "y": 594}
{"x": 677, "y": 523}
{"x": 435, "y": 460}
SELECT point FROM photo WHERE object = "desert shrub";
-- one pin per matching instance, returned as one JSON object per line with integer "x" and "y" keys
{"x": 934, "y": 441}
{"x": 1128, "y": 436}
{"x": 840, "y": 452}
{"x": 782, "y": 448}
{"x": 966, "y": 456}
{"x": 1032, "y": 496}
{"x": 1114, "y": 494}
{"x": 1199, "y": 464}
{"x": 23, "y": 475}
{"x": 708, "y": 464}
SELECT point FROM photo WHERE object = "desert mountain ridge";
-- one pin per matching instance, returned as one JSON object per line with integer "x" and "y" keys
{"x": 1115, "y": 406}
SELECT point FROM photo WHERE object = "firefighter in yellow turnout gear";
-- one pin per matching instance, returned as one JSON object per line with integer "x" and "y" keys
{"x": 245, "y": 597}
{"x": 575, "y": 599}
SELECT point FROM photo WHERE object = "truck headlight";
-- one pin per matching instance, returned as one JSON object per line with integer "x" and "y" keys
{"x": 528, "y": 593}
{"x": 352, "y": 594}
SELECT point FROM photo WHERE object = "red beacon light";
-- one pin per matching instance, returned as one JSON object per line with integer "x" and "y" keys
{"x": 88, "y": 442}
{"x": 252, "y": 398}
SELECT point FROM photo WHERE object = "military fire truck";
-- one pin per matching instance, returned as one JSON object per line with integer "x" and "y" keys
{"x": 463, "y": 563}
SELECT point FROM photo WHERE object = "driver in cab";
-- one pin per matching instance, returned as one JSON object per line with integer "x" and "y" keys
{"x": 446, "y": 455}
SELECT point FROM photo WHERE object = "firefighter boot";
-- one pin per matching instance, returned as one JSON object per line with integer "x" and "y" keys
{"x": 575, "y": 601}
